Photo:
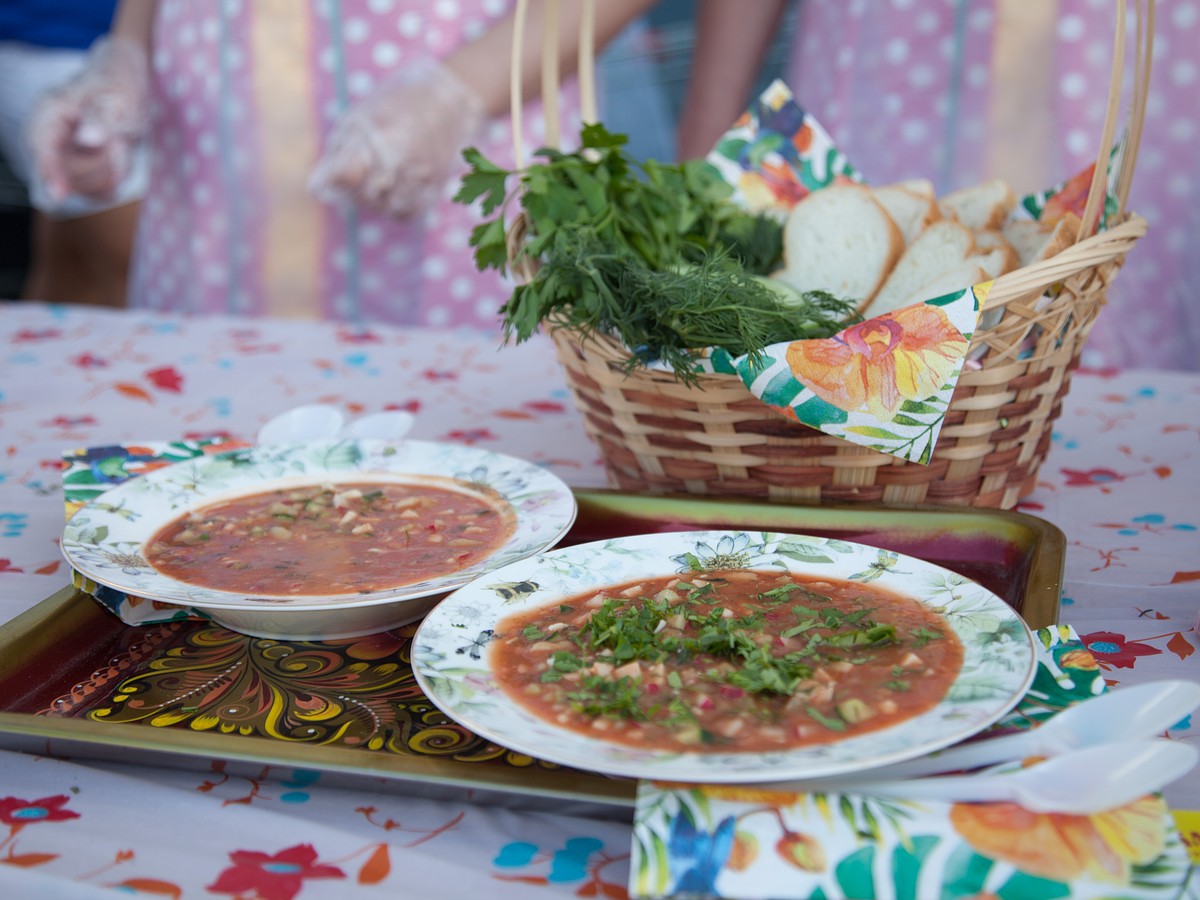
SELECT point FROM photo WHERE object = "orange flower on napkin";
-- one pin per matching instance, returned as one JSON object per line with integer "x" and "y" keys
{"x": 878, "y": 364}
{"x": 1063, "y": 847}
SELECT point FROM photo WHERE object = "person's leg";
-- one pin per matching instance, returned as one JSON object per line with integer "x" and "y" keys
{"x": 82, "y": 260}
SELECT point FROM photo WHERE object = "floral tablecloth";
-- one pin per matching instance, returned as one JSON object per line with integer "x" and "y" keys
{"x": 1120, "y": 481}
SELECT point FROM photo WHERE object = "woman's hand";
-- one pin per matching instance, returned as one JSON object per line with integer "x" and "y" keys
{"x": 83, "y": 134}
{"x": 394, "y": 151}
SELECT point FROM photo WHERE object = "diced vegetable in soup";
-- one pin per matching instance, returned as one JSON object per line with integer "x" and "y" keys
{"x": 732, "y": 660}
{"x": 331, "y": 539}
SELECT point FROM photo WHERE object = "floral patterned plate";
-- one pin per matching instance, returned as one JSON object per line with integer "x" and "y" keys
{"x": 451, "y": 658}
{"x": 104, "y": 539}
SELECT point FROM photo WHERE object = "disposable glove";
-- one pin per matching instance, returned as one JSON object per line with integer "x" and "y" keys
{"x": 394, "y": 151}
{"x": 83, "y": 134}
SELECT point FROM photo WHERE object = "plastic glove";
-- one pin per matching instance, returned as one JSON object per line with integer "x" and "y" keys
{"x": 395, "y": 150}
{"x": 83, "y": 134}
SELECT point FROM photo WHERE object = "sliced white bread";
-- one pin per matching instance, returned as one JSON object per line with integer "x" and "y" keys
{"x": 922, "y": 186}
{"x": 911, "y": 211}
{"x": 996, "y": 261}
{"x": 1035, "y": 241}
{"x": 840, "y": 239}
{"x": 992, "y": 238}
{"x": 980, "y": 266}
{"x": 943, "y": 246}
{"x": 961, "y": 277}
{"x": 981, "y": 206}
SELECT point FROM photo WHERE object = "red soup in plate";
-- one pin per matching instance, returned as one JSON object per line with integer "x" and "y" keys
{"x": 331, "y": 539}
{"x": 728, "y": 661}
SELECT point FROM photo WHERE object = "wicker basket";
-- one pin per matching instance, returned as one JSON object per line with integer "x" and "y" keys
{"x": 657, "y": 435}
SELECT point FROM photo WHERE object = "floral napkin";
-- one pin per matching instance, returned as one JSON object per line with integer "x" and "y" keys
{"x": 737, "y": 842}
{"x": 884, "y": 383}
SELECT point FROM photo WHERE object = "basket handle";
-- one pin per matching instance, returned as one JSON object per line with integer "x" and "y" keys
{"x": 550, "y": 71}
{"x": 1143, "y": 57}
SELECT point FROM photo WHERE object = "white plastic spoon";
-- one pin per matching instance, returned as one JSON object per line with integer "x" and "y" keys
{"x": 1078, "y": 782}
{"x": 313, "y": 422}
{"x": 390, "y": 425}
{"x": 1138, "y": 711}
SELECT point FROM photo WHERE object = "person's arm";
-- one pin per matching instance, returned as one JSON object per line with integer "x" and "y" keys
{"x": 134, "y": 21}
{"x": 484, "y": 64}
{"x": 731, "y": 42}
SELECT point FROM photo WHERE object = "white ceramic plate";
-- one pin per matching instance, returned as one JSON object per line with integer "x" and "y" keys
{"x": 452, "y": 663}
{"x": 104, "y": 539}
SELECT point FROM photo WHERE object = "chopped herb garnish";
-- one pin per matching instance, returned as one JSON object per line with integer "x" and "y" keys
{"x": 828, "y": 721}
{"x": 922, "y": 636}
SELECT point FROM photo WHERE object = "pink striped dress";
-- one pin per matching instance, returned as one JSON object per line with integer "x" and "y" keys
{"x": 244, "y": 93}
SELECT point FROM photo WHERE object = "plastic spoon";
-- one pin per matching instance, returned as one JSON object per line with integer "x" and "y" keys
{"x": 390, "y": 425}
{"x": 1137, "y": 711}
{"x": 313, "y": 422}
{"x": 1079, "y": 782}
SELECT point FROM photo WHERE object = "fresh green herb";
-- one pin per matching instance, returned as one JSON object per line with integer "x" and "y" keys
{"x": 831, "y": 723}
{"x": 899, "y": 685}
{"x": 922, "y": 636}
{"x": 762, "y": 672}
{"x": 654, "y": 253}
{"x": 598, "y": 696}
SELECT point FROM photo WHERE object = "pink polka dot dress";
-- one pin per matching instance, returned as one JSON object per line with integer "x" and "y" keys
{"x": 957, "y": 91}
{"x": 245, "y": 91}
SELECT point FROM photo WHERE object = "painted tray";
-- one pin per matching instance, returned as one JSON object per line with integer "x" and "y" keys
{"x": 75, "y": 680}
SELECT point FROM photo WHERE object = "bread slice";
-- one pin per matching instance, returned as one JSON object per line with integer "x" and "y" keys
{"x": 943, "y": 246}
{"x": 961, "y": 277}
{"x": 982, "y": 206}
{"x": 840, "y": 239}
{"x": 1035, "y": 241}
{"x": 922, "y": 186}
{"x": 996, "y": 261}
{"x": 991, "y": 238}
{"x": 912, "y": 212}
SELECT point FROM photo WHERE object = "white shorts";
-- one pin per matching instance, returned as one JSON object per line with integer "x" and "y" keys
{"x": 27, "y": 72}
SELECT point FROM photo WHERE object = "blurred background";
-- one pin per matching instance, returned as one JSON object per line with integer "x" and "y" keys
{"x": 643, "y": 78}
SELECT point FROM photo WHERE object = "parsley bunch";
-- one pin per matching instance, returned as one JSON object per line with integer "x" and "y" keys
{"x": 653, "y": 253}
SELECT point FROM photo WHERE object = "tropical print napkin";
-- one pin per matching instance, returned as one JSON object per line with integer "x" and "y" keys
{"x": 885, "y": 383}
{"x": 737, "y": 842}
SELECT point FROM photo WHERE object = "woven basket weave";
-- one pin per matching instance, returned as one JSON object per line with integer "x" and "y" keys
{"x": 657, "y": 435}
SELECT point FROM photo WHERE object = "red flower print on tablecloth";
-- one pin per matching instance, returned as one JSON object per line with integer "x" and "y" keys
{"x": 470, "y": 436}
{"x": 166, "y": 378}
{"x": 28, "y": 335}
{"x": 88, "y": 361}
{"x": 272, "y": 877}
{"x": 546, "y": 406}
{"x": 1115, "y": 650}
{"x": 70, "y": 421}
{"x": 1091, "y": 477}
{"x": 358, "y": 336}
{"x": 17, "y": 813}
